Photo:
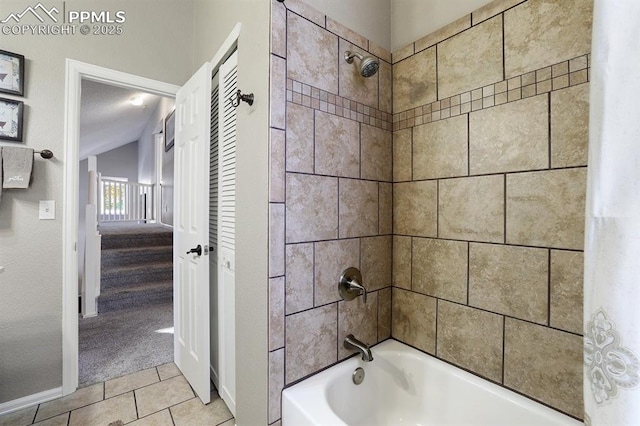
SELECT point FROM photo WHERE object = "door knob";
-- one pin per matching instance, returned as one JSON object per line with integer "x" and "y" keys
{"x": 197, "y": 250}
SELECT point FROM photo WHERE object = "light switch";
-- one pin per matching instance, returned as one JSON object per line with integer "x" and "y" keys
{"x": 47, "y": 209}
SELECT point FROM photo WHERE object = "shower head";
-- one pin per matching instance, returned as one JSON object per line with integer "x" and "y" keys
{"x": 368, "y": 64}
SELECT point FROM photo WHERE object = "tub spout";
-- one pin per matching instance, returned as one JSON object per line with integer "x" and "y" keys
{"x": 353, "y": 344}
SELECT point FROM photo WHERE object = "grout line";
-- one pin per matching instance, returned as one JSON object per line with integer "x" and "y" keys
{"x": 549, "y": 126}
{"x": 437, "y": 97}
{"x": 504, "y": 71}
{"x": 504, "y": 345}
{"x": 33, "y": 420}
{"x": 135, "y": 403}
{"x": 549, "y": 287}
{"x": 468, "y": 271}
{"x": 504, "y": 229}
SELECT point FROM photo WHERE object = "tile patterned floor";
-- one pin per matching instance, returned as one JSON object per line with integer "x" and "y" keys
{"x": 158, "y": 396}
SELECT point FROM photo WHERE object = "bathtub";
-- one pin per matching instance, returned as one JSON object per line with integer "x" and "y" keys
{"x": 403, "y": 386}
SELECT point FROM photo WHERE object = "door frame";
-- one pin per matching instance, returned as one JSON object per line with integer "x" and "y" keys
{"x": 75, "y": 72}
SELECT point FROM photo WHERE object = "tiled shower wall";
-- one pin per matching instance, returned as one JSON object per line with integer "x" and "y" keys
{"x": 330, "y": 194}
{"x": 490, "y": 120}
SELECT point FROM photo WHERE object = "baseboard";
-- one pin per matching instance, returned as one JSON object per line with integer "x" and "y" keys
{"x": 30, "y": 400}
{"x": 214, "y": 377}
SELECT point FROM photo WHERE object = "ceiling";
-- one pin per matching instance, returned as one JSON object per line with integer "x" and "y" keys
{"x": 108, "y": 119}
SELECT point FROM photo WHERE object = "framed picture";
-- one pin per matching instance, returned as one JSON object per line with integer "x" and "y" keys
{"x": 11, "y": 112}
{"x": 169, "y": 130}
{"x": 11, "y": 73}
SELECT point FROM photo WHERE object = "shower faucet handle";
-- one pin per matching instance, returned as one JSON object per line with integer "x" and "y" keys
{"x": 350, "y": 285}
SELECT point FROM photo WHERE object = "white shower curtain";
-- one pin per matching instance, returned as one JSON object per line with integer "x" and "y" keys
{"x": 612, "y": 234}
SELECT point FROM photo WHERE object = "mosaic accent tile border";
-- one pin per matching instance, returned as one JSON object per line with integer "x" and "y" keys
{"x": 318, "y": 99}
{"x": 555, "y": 77}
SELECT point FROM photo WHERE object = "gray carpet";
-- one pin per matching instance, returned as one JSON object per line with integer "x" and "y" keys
{"x": 124, "y": 341}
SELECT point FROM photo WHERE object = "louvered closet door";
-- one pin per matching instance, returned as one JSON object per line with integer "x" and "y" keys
{"x": 228, "y": 75}
{"x": 213, "y": 231}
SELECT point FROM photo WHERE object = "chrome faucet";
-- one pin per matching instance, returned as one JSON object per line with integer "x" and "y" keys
{"x": 353, "y": 344}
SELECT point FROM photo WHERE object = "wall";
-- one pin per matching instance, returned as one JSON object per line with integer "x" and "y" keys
{"x": 370, "y": 18}
{"x": 31, "y": 250}
{"x": 329, "y": 192}
{"x": 146, "y": 160}
{"x": 213, "y": 21}
{"x": 412, "y": 19}
{"x": 490, "y": 153}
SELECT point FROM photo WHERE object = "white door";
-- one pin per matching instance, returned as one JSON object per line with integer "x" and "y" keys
{"x": 228, "y": 81}
{"x": 191, "y": 231}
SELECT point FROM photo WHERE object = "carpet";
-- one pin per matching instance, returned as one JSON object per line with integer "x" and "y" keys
{"x": 125, "y": 341}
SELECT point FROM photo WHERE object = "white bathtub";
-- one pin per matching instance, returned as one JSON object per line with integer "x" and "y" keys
{"x": 403, "y": 386}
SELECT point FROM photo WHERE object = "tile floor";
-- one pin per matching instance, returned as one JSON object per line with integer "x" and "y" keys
{"x": 158, "y": 396}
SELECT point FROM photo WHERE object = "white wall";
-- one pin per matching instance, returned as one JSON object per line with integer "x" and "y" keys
{"x": 414, "y": 19}
{"x": 153, "y": 45}
{"x": 214, "y": 20}
{"x": 370, "y": 18}
{"x": 146, "y": 142}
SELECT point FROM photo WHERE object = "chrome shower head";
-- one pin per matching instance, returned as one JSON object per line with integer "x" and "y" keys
{"x": 368, "y": 64}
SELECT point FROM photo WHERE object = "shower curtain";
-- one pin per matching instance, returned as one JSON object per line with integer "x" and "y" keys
{"x": 612, "y": 233}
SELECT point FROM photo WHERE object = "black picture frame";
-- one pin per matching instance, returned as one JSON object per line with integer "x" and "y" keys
{"x": 11, "y": 79}
{"x": 11, "y": 118}
{"x": 169, "y": 130}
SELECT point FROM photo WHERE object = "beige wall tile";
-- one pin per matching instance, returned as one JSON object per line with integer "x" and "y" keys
{"x": 195, "y": 412}
{"x": 440, "y": 149}
{"x": 380, "y": 52}
{"x": 352, "y": 85}
{"x": 407, "y": 307}
{"x": 472, "y": 208}
{"x": 403, "y": 53}
{"x": 312, "y": 341}
{"x": 376, "y": 257}
{"x": 276, "y": 383}
{"x": 414, "y": 82}
{"x": 312, "y": 54}
{"x": 80, "y": 398}
{"x": 358, "y": 208}
{"x": 547, "y": 208}
{"x": 360, "y": 319}
{"x": 331, "y": 259}
{"x": 544, "y": 364}
{"x": 130, "y": 382}
{"x": 276, "y": 313}
{"x": 161, "y": 395}
{"x": 570, "y": 126}
{"x": 402, "y": 255}
{"x": 567, "y": 280}
{"x": 278, "y": 92}
{"x": 337, "y": 146}
{"x": 470, "y": 59}
{"x": 312, "y": 208}
{"x": 492, "y": 9}
{"x": 278, "y": 29}
{"x": 347, "y": 34}
{"x": 385, "y": 82}
{"x": 299, "y": 280}
{"x": 440, "y": 268}
{"x": 276, "y": 166}
{"x": 561, "y": 30}
{"x": 415, "y": 207}
{"x": 402, "y": 147}
{"x": 444, "y": 33}
{"x": 509, "y": 280}
{"x": 121, "y": 408}
{"x": 384, "y": 314}
{"x": 300, "y": 147}
{"x": 510, "y": 137}
{"x": 276, "y": 239}
{"x": 471, "y": 338}
{"x": 376, "y": 153}
{"x": 385, "y": 215}
{"x": 303, "y": 9}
